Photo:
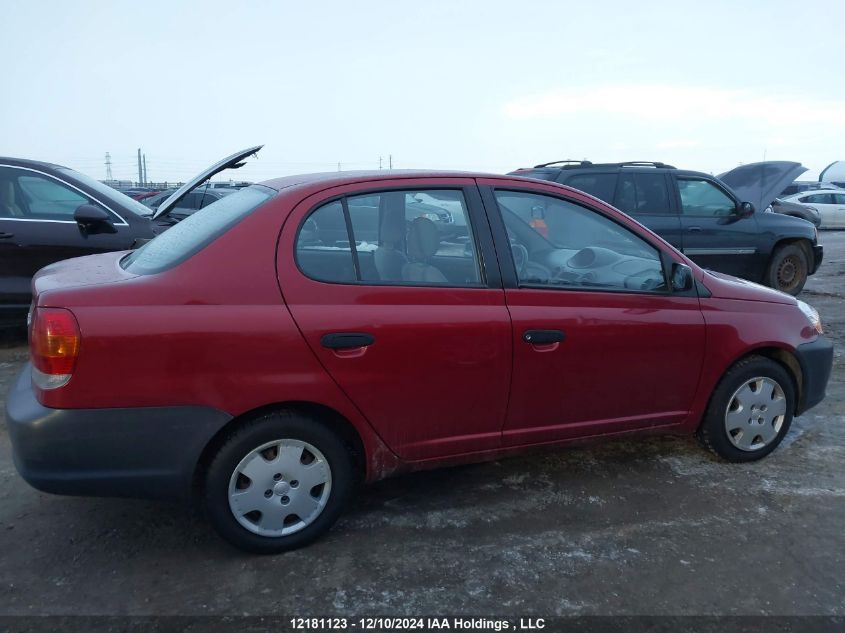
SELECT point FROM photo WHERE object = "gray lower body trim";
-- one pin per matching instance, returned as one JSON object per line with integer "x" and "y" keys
{"x": 719, "y": 251}
{"x": 148, "y": 452}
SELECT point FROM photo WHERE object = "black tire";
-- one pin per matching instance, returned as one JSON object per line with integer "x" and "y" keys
{"x": 280, "y": 425}
{"x": 788, "y": 269}
{"x": 713, "y": 431}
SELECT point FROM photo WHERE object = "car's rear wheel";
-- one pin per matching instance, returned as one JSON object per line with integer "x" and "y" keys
{"x": 750, "y": 410}
{"x": 788, "y": 269}
{"x": 278, "y": 482}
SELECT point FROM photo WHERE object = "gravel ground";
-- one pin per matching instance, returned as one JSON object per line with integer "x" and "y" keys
{"x": 647, "y": 526}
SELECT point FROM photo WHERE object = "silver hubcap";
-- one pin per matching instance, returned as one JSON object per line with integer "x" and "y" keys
{"x": 280, "y": 487}
{"x": 755, "y": 414}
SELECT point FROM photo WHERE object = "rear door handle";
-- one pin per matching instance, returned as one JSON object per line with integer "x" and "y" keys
{"x": 543, "y": 337}
{"x": 695, "y": 229}
{"x": 6, "y": 236}
{"x": 347, "y": 340}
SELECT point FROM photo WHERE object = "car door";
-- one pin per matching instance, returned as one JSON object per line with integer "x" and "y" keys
{"x": 412, "y": 325}
{"x": 839, "y": 209}
{"x": 715, "y": 235}
{"x": 646, "y": 197}
{"x": 600, "y": 344}
{"x": 37, "y": 228}
{"x": 827, "y": 207}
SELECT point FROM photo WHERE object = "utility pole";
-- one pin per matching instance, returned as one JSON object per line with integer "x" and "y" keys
{"x": 390, "y": 161}
{"x": 140, "y": 174}
{"x": 338, "y": 166}
{"x": 146, "y": 180}
{"x": 379, "y": 162}
{"x": 108, "y": 167}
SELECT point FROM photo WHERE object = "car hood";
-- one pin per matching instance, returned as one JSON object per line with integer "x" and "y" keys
{"x": 230, "y": 162}
{"x": 724, "y": 286}
{"x": 760, "y": 183}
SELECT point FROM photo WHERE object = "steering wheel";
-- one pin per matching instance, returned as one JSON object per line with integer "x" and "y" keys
{"x": 520, "y": 258}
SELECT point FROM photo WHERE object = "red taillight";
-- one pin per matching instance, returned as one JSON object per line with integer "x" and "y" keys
{"x": 54, "y": 345}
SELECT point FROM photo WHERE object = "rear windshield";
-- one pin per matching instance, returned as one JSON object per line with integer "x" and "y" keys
{"x": 195, "y": 232}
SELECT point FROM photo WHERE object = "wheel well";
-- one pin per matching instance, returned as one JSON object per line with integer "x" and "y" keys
{"x": 787, "y": 361}
{"x": 803, "y": 242}
{"x": 337, "y": 422}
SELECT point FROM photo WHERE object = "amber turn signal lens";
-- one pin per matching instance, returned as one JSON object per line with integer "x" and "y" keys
{"x": 54, "y": 346}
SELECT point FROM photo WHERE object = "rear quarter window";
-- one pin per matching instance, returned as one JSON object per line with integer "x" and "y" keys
{"x": 195, "y": 232}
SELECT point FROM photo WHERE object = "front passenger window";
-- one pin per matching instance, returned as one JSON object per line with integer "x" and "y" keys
{"x": 702, "y": 198}
{"x": 576, "y": 247}
{"x": 42, "y": 198}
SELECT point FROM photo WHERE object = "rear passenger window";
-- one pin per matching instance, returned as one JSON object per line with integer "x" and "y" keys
{"x": 643, "y": 194}
{"x": 599, "y": 185}
{"x": 419, "y": 237}
{"x": 322, "y": 246}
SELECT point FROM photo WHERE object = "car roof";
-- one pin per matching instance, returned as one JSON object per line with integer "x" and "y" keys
{"x": 337, "y": 178}
{"x": 659, "y": 168}
{"x": 812, "y": 192}
{"x": 25, "y": 162}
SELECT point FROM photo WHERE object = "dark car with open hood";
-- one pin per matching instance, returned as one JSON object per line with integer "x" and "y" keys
{"x": 263, "y": 358}
{"x": 718, "y": 222}
{"x": 50, "y": 213}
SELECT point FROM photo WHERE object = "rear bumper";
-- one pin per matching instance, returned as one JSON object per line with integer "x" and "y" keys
{"x": 148, "y": 452}
{"x": 816, "y": 360}
{"x": 818, "y": 255}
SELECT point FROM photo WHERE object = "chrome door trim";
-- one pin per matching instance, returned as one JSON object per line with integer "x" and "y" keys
{"x": 122, "y": 222}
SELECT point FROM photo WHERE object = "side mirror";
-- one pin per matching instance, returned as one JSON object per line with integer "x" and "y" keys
{"x": 745, "y": 210}
{"x": 681, "y": 277}
{"x": 92, "y": 219}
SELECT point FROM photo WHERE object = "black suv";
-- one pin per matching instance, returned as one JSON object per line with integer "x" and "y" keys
{"x": 701, "y": 216}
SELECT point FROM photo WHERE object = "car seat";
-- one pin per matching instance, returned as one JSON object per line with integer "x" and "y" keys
{"x": 8, "y": 208}
{"x": 423, "y": 243}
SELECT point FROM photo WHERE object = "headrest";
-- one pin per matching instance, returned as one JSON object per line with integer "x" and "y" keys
{"x": 423, "y": 240}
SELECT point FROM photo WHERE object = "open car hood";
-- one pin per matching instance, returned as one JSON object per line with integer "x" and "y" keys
{"x": 230, "y": 162}
{"x": 760, "y": 183}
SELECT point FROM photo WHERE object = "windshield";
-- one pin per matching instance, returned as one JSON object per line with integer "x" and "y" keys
{"x": 108, "y": 193}
{"x": 195, "y": 232}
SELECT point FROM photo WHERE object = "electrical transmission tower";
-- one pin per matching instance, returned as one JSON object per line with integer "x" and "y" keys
{"x": 108, "y": 167}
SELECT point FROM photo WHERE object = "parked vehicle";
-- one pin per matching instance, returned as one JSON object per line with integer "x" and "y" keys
{"x": 156, "y": 199}
{"x": 807, "y": 185}
{"x": 704, "y": 217}
{"x": 191, "y": 202}
{"x": 230, "y": 184}
{"x": 796, "y": 210}
{"x": 237, "y": 360}
{"x": 49, "y": 213}
{"x": 830, "y": 204}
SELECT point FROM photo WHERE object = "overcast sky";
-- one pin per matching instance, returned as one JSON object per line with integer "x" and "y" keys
{"x": 486, "y": 85}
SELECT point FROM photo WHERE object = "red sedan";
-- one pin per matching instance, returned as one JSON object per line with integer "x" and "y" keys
{"x": 300, "y": 336}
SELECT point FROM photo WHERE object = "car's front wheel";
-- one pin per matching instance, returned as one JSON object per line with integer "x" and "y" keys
{"x": 788, "y": 269}
{"x": 750, "y": 411}
{"x": 278, "y": 482}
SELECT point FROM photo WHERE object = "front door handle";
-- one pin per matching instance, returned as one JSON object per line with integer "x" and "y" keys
{"x": 347, "y": 340}
{"x": 695, "y": 229}
{"x": 543, "y": 337}
{"x": 6, "y": 236}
